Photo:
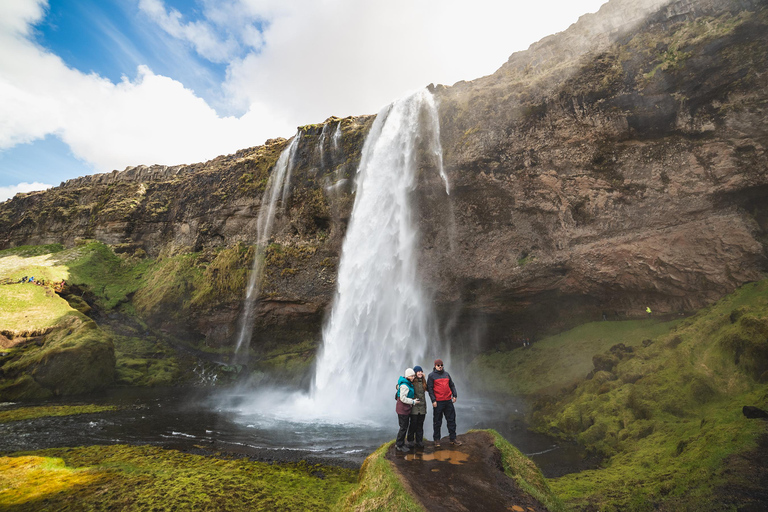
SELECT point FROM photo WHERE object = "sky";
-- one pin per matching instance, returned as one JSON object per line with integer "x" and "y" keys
{"x": 88, "y": 86}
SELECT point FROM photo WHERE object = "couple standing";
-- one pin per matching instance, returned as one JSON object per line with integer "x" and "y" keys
{"x": 412, "y": 407}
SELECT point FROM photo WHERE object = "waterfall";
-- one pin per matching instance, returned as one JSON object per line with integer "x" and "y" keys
{"x": 336, "y": 141}
{"x": 382, "y": 320}
{"x": 279, "y": 180}
{"x": 321, "y": 146}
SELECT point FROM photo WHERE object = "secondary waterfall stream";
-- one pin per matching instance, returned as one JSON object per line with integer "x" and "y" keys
{"x": 277, "y": 187}
{"x": 382, "y": 320}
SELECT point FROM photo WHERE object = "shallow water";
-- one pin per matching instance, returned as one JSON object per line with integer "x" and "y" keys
{"x": 212, "y": 421}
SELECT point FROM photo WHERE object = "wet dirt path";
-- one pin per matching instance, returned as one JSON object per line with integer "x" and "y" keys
{"x": 462, "y": 478}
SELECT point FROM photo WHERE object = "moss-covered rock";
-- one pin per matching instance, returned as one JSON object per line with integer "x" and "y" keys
{"x": 76, "y": 357}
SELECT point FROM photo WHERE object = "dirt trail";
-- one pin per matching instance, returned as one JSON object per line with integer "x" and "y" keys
{"x": 462, "y": 478}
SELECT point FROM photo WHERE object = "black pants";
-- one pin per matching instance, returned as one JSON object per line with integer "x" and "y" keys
{"x": 404, "y": 420}
{"x": 416, "y": 428}
{"x": 444, "y": 407}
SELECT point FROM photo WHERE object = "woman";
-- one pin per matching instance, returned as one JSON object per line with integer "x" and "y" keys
{"x": 405, "y": 401}
{"x": 419, "y": 411}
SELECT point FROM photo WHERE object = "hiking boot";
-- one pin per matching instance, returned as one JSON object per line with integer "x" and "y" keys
{"x": 409, "y": 444}
{"x": 419, "y": 446}
{"x": 437, "y": 444}
{"x": 402, "y": 448}
{"x": 456, "y": 442}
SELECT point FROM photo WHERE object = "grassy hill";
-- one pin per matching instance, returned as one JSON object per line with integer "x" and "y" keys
{"x": 661, "y": 402}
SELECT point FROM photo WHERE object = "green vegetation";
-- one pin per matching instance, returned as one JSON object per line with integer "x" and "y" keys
{"x": 76, "y": 357}
{"x": 379, "y": 488}
{"x": 28, "y": 308}
{"x": 560, "y": 360}
{"x": 525, "y": 473}
{"x": 28, "y": 413}
{"x": 111, "y": 278}
{"x": 151, "y": 478}
{"x": 661, "y": 404}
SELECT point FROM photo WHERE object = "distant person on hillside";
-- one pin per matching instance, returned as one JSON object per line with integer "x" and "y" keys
{"x": 442, "y": 392}
{"x": 405, "y": 401}
{"x": 419, "y": 411}
{"x": 648, "y": 310}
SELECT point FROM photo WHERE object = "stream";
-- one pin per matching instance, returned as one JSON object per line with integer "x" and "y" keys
{"x": 210, "y": 421}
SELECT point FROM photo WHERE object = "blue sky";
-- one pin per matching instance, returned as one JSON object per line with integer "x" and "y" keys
{"x": 90, "y": 86}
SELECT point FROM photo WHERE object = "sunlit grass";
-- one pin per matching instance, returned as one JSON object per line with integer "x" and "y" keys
{"x": 29, "y": 480}
{"x": 151, "y": 478}
{"x": 28, "y": 413}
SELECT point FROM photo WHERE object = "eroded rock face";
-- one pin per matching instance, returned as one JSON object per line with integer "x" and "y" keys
{"x": 617, "y": 165}
{"x": 632, "y": 175}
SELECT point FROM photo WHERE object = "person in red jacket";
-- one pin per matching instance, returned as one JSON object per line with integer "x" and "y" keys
{"x": 442, "y": 392}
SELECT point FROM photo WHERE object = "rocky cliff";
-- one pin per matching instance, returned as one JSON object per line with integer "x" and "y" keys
{"x": 617, "y": 165}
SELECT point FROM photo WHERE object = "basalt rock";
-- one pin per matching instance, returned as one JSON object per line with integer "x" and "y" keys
{"x": 616, "y": 165}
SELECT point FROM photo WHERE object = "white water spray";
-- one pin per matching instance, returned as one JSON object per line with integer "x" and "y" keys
{"x": 382, "y": 320}
{"x": 279, "y": 180}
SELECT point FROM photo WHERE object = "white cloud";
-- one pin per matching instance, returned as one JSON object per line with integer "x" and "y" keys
{"x": 9, "y": 192}
{"x": 346, "y": 57}
{"x": 200, "y": 34}
{"x": 299, "y": 62}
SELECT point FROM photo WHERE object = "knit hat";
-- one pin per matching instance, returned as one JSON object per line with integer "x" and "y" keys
{"x": 418, "y": 369}
{"x": 438, "y": 362}
{"x": 409, "y": 372}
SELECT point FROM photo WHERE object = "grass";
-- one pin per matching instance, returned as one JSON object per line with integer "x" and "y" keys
{"x": 525, "y": 473}
{"x": 28, "y": 413}
{"x": 151, "y": 478}
{"x": 559, "y": 360}
{"x": 30, "y": 308}
{"x": 379, "y": 488}
{"x": 665, "y": 414}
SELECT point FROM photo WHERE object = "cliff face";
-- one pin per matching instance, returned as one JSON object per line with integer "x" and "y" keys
{"x": 617, "y": 165}
{"x": 632, "y": 175}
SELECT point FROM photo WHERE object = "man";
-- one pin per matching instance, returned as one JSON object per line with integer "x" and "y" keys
{"x": 442, "y": 392}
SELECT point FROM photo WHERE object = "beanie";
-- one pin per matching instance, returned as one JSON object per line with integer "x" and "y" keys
{"x": 418, "y": 369}
{"x": 409, "y": 372}
{"x": 438, "y": 362}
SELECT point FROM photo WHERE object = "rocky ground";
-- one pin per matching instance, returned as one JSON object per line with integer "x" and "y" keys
{"x": 461, "y": 478}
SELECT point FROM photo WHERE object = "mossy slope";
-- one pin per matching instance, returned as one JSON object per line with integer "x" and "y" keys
{"x": 665, "y": 413}
{"x": 379, "y": 488}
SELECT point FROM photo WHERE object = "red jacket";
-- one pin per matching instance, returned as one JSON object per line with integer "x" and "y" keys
{"x": 440, "y": 386}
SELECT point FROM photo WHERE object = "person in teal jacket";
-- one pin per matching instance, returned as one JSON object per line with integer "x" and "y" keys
{"x": 405, "y": 401}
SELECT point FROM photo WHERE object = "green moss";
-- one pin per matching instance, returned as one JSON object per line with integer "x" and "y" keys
{"x": 151, "y": 478}
{"x": 145, "y": 361}
{"x": 109, "y": 277}
{"x": 559, "y": 360}
{"x": 224, "y": 278}
{"x": 28, "y": 413}
{"x": 167, "y": 285}
{"x": 379, "y": 488}
{"x": 76, "y": 357}
{"x": 525, "y": 473}
{"x": 667, "y": 416}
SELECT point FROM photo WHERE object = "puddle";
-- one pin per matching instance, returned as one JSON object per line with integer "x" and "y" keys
{"x": 450, "y": 456}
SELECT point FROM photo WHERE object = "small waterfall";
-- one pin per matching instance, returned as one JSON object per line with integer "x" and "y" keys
{"x": 321, "y": 146}
{"x": 336, "y": 141}
{"x": 382, "y": 320}
{"x": 279, "y": 180}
